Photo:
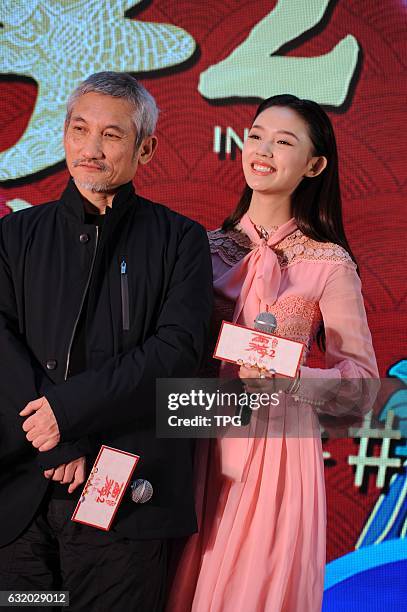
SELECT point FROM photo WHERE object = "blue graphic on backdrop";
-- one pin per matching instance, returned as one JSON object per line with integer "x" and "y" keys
{"x": 371, "y": 579}
{"x": 374, "y": 576}
{"x": 388, "y": 519}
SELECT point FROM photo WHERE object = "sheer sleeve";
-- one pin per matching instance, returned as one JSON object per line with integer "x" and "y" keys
{"x": 349, "y": 382}
{"x": 348, "y": 340}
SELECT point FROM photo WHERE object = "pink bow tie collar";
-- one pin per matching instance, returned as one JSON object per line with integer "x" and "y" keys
{"x": 253, "y": 283}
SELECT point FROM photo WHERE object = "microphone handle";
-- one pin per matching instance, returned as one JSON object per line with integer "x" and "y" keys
{"x": 245, "y": 413}
{"x": 266, "y": 322}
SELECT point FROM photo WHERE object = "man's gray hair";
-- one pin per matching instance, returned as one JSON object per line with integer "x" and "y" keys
{"x": 121, "y": 85}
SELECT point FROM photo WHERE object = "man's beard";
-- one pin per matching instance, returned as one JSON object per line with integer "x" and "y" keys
{"x": 95, "y": 187}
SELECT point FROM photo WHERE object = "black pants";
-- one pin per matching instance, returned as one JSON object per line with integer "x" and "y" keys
{"x": 102, "y": 571}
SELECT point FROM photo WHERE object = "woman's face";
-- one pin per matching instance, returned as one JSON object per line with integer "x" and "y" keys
{"x": 278, "y": 152}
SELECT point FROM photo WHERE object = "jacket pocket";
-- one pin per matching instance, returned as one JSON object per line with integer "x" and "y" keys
{"x": 124, "y": 286}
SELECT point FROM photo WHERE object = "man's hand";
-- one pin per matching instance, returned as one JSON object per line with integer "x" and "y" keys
{"x": 72, "y": 473}
{"x": 42, "y": 427}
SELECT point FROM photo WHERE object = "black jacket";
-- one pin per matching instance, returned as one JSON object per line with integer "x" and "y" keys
{"x": 47, "y": 265}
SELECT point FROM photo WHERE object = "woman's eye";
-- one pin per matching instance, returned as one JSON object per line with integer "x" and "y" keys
{"x": 254, "y": 136}
{"x": 284, "y": 142}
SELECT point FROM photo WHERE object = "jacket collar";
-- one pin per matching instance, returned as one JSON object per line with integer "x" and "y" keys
{"x": 72, "y": 202}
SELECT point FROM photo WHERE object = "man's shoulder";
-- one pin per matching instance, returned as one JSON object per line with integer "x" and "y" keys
{"x": 165, "y": 214}
{"x": 27, "y": 217}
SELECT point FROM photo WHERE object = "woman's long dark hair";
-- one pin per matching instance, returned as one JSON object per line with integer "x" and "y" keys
{"x": 316, "y": 202}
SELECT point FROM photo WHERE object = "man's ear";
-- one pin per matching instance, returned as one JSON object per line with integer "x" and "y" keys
{"x": 147, "y": 149}
{"x": 316, "y": 166}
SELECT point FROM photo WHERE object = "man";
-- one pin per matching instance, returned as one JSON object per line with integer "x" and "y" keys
{"x": 101, "y": 293}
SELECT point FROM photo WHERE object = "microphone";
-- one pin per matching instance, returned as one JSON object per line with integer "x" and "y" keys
{"x": 264, "y": 322}
{"x": 141, "y": 491}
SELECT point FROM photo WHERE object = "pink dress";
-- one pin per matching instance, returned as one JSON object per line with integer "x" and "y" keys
{"x": 261, "y": 500}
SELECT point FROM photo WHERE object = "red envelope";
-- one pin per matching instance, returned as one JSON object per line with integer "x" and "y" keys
{"x": 239, "y": 344}
{"x": 105, "y": 487}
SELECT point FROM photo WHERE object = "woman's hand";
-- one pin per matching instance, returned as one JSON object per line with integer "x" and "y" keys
{"x": 258, "y": 380}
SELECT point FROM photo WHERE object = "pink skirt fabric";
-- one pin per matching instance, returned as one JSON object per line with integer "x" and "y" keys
{"x": 261, "y": 544}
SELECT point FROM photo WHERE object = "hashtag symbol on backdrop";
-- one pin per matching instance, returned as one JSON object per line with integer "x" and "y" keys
{"x": 383, "y": 462}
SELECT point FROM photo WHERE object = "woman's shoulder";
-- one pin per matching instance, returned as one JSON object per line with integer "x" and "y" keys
{"x": 230, "y": 246}
{"x": 298, "y": 247}
{"x": 233, "y": 245}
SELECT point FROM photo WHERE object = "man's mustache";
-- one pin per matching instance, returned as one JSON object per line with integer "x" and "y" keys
{"x": 89, "y": 162}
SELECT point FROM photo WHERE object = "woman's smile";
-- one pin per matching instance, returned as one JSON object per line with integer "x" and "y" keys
{"x": 261, "y": 168}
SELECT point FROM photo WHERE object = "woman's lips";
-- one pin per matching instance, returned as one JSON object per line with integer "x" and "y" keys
{"x": 261, "y": 169}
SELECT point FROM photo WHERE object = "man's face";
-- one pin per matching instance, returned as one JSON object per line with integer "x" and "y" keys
{"x": 100, "y": 141}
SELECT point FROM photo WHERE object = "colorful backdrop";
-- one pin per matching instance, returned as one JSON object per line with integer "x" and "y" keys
{"x": 209, "y": 64}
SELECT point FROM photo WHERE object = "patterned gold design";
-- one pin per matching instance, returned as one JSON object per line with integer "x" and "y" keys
{"x": 59, "y": 44}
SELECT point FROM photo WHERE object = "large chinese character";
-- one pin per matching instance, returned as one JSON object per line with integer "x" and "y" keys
{"x": 251, "y": 70}
{"x": 59, "y": 44}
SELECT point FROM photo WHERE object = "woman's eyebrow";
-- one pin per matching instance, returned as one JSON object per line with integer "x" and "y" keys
{"x": 260, "y": 127}
{"x": 287, "y": 132}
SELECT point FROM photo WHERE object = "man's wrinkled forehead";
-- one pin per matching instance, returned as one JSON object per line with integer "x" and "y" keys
{"x": 104, "y": 111}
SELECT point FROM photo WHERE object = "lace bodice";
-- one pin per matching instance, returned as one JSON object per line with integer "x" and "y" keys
{"x": 297, "y": 312}
{"x": 296, "y": 247}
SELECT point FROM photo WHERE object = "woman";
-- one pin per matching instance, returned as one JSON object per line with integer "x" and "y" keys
{"x": 261, "y": 501}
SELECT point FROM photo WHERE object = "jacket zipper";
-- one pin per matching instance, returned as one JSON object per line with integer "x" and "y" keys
{"x": 81, "y": 306}
{"x": 124, "y": 285}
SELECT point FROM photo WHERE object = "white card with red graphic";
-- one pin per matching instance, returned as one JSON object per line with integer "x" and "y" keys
{"x": 238, "y": 344}
{"x": 105, "y": 487}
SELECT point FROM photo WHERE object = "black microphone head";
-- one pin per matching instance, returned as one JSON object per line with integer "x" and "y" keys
{"x": 141, "y": 491}
{"x": 265, "y": 322}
